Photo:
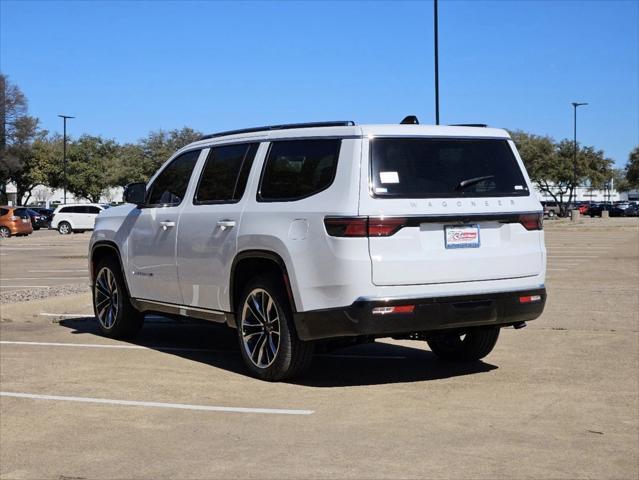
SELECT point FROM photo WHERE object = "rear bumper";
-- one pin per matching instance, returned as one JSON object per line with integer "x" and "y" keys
{"x": 430, "y": 314}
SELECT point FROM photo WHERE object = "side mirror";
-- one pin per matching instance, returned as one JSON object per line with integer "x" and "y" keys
{"x": 135, "y": 193}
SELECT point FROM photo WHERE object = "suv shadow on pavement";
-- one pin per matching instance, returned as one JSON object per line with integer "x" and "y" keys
{"x": 365, "y": 364}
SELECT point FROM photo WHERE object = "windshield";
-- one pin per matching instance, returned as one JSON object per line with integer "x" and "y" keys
{"x": 445, "y": 167}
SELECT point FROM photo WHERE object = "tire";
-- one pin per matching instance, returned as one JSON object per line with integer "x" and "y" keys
{"x": 551, "y": 214}
{"x": 117, "y": 318}
{"x": 64, "y": 228}
{"x": 475, "y": 344}
{"x": 268, "y": 341}
{"x": 5, "y": 232}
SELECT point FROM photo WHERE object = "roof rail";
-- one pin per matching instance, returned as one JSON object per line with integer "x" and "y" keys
{"x": 287, "y": 126}
{"x": 480, "y": 125}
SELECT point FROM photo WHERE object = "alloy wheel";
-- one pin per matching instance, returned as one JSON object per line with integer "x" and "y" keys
{"x": 4, "y": 232}
{"x": 106, "y": 297}
{"x": 260, "y": 328}
{"x": 64, "y": 228}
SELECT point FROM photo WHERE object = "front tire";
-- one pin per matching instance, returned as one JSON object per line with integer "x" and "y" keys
{"x": 117, "y": 318}
{"x": 64, "y": 228}
{"x": 470, "y": 346}
{"x": 5, "y": 232}
{"x": 269, "y": 344}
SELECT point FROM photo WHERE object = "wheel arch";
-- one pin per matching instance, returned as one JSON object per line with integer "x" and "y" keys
{"x": 251, "y": 262}
{"x": 103, "y": 249}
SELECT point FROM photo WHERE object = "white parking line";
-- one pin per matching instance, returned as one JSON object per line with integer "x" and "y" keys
{"x": 573, "y": 256}
{"x": 58, "y": 271}
{"x": 26, "y": 286}
{"x": 42, "y": 278}
{"x": 180, "y": 406}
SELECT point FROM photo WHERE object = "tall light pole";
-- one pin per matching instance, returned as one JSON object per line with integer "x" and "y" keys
{"x": 574, "y": 152}
{"x": 436, "y": 29}
{"x": 64, "y": 160}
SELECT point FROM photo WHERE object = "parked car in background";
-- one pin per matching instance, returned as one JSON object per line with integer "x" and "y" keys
{"x": 14, "y": 221}
{"x": 596, "y": 209}
{"x": 583, "y": 208}
{"x": 632, "y": 211}
{"x": 45, "y": 212}
{"x": 75, "y": 218}
{"x": 37, "y": 221}
{"x": 551, "y": 209}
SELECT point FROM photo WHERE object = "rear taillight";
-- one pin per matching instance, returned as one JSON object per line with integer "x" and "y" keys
{"x": 363, "y": 226}
{"x": 532, "y": 221}
{"x": 346, "y": 226}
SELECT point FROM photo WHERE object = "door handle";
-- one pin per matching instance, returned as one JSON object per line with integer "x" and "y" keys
{"x": 224, "y": 224}
{"x": 166, "y": 225}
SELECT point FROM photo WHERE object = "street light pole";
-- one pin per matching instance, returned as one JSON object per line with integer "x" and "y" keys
{"x": 436, "y": 63}
{"x": 574, "y": 152}
{"x": 64, "y": 159}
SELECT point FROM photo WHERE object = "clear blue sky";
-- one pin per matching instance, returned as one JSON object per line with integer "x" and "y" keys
{"x": 125, "y": 68}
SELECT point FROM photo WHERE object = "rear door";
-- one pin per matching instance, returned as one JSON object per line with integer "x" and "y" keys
{"x": 208, "y": 226}
{"x": 91, "y": 211}
{"x": 448, "y": 210}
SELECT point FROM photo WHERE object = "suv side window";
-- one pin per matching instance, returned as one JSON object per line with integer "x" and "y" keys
{"x": 92, "y": 210}
{"x": 225, "y": 174}
{"x": 3, "y": 212}
{"x": 66, "y": 210}
{"x": 296, "y": 169}
{"x": 169, "y": 187}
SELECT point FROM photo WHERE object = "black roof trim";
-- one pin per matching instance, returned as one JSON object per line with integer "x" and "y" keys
{"x": 481, "y": 125}
{"x": 287, "y": 126}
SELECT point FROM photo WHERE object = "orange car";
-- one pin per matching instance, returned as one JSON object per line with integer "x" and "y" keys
{"x": 14, "y": 221}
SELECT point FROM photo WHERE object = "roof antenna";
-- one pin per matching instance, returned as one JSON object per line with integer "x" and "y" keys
{"x": 410, "y": 120}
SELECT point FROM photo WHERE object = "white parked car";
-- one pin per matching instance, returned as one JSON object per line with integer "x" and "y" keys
{"x": 299, "y": 233}
{"x": 71, "y": 218}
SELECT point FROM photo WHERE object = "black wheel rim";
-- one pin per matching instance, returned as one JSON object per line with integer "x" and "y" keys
{"x": 107, "y": 298}
{"x": 260, "y": 328}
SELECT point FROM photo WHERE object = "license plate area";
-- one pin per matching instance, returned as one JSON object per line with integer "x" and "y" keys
{"x": 461, "y": 236}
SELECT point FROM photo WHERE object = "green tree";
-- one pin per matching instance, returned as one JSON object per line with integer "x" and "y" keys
{"x": 551, "y": 165}
{"x": 632, "y": 169}
{"x": 92, "y": 161}
{"x": 159, "y": 145}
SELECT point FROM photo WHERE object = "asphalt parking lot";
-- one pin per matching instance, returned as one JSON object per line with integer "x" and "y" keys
{"x": 558, "y": 399}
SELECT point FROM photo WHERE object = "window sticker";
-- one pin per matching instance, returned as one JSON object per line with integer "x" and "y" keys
{"x": 389, "y": 177}
{"x": 381, "y": 190}
{"x": 519, "y": 187}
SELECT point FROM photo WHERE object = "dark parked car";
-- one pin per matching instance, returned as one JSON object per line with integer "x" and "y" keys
{"x": 38, "y": 221}
{"x": 632, "y": 211}
{"x": 596, "y": 209}
{"x": 45, "y": 212}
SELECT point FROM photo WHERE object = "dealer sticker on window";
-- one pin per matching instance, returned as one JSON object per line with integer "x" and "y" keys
{"x": 462, "y": 236}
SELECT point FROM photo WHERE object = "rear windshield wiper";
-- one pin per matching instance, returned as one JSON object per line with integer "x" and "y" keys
{"x": 471, "y": 181}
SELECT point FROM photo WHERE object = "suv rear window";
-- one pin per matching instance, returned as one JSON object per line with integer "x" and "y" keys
{"x": 296, "y": 169}
{"x": 445, "y": 167}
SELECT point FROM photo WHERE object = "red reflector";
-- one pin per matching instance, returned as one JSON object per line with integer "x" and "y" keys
{"x": 530, "y": 299}
{"x": 384, "y": 227}
{"x": 394, "y": 309}
{"x": 532, "y": 221}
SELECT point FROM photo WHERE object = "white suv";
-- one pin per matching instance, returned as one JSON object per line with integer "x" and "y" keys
{"x": 75, "y": 218}
{"x": 301, "y": 233}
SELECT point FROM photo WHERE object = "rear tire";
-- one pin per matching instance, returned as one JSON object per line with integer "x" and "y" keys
{"x": 266, "y": 332}
{"x": 117, "y": 318}
{"x": 5, "y": 232}
{"x": 64, "y": 228}
{"x": 473, "y": 346}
